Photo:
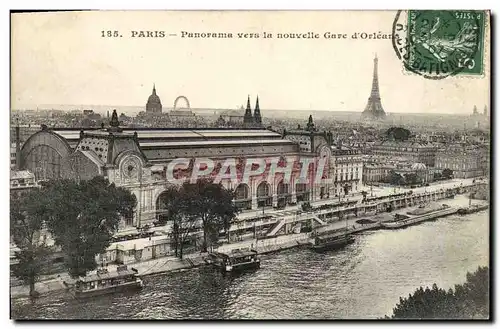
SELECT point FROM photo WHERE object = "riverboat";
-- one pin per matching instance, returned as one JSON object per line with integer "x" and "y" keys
{"x": 331, "y": 242}
{"x": 234, "y": 261}
{"x": 471, "y": 209}
{"x": 418, "y": 219}
{"x": 105, "y": 282}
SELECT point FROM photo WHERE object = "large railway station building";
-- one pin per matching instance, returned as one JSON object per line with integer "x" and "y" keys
{"x": 138, "y": 159}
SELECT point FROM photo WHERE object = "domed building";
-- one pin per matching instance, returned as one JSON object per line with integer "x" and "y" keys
{"x": 154, "y": 103}
{"x": 418, "y": 166}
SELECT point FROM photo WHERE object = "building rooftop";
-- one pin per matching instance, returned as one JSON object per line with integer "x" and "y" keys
{"x": 217, "y": 142}
{"x": 21, "y": 174}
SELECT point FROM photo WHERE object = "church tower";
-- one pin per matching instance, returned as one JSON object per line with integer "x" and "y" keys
{"x": 310, "y": 124}
{"x": 474, "y": 110}
{"x": 256, "y": 114}
{"x": 154, "y": 103}
{"x": 248, "y": 118}
{"x": 374, "y": 109}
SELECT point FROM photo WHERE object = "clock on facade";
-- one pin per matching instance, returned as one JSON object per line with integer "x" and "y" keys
{"x": 325, "y": 152}
{"x": 130, "y": 168}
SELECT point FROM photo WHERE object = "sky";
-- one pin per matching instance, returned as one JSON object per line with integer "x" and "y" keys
{"x": 61, "y": 58}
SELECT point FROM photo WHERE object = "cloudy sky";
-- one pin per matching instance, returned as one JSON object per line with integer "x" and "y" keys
{"x": 61, "y": 58}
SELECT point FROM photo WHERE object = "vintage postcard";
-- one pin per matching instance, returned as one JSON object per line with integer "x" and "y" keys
{"x": 299, "y": 165}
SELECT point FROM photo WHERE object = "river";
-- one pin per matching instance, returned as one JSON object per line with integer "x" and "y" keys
{"x": 362, "y": 281}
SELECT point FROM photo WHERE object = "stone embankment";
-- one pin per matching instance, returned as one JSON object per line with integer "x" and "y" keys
{"x": 263, "y": 246}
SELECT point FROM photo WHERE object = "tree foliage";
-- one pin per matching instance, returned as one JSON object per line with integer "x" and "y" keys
{"x": 467, "y": 301}
{"x": 175, "y": 202}
{"x": 83, "y": 216}
{"x": 447, "y": 173}
{"x": 213, "y": 205}
{"x": 394, "y": 178}
{"x": 26, "y": 223}
{"x": 398, "y": 133}
{"x": 412, "y": 179}
{"x": 202, "y": 204}
{"x": 364, "y": 194}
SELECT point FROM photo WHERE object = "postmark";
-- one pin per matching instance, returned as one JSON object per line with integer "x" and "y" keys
{"x": 437, "y": 44}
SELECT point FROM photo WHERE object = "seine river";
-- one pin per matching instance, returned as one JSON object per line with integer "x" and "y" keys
{"x": 364, "y": 280}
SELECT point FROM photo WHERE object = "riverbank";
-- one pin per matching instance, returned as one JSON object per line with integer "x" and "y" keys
{"x": 168, "y": 264}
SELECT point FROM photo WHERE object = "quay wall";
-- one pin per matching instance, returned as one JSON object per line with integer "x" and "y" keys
{"x": 168, "y": 264}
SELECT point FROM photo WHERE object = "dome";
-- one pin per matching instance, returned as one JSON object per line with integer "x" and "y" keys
{"x": 418, "y": 166}
{"x": 154, "y": 99}
{"x": 154, "y": 103}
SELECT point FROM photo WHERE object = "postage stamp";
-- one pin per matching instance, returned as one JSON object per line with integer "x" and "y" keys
{"x": 440, "y": 43}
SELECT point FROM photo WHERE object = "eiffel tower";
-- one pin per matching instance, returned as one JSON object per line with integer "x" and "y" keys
{"x": 373, "y": 109}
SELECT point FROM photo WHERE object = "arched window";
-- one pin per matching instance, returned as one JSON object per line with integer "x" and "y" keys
{"x": 283, "y": 194}
{"x": 303, "y": 194}
{"x": 242, "y": 198}
{"x": 263, "y": 195}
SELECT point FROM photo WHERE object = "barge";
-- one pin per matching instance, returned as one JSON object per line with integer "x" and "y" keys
{"x": 104, "y": 282}
{"x": 418, "y": 219}
{"x": 234, "y": 261}
{"x": 472, "y": 209}
{"x": 331, "y": 242}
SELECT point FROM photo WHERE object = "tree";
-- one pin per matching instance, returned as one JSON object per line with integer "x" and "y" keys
{"x": 213, "y": 205}
{"x": 346, "y": 189}
{"x": 394, "y": 178}
{"x": 447, "y": 173}
{"x": 26, "y": 223}
{"x": 412, "y": 179}
{"x": 176, "y": 203}
{"x": 83, "y": 216}
{"x": 364, "y": 193}
{"x": 398, "y": 133}
{"x": 468, "y": 301}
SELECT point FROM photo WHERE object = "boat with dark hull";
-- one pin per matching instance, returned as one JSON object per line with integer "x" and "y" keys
{"x": 402, "y": 223}
{"x": 472, "y": 209}
{"x": 235, "y": 261}
{"x": 331, "y": 242}
{"x": 104, "y": 282}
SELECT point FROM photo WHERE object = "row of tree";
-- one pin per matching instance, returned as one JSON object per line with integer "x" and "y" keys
{"x": 83, "y": 216}
{"x": 395, "y": 178}
{"x": 467, "y": 301}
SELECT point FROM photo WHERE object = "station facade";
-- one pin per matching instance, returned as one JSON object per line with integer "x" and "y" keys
{"x": 138, "y": 159}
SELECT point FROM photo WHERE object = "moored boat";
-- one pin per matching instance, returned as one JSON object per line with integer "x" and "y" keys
{"x": 471, "y": 209}
{"x": 418, "y": 219}
{"x": 235, "y": 261}
{"x": 105, "y": 282}
{"x": 331, "y": 242}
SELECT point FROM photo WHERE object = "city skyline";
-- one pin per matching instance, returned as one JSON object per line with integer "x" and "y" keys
{"x": 220, "y": 73}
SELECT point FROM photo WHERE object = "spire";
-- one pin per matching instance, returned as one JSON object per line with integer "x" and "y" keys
{"x": 310, "y": 123}
{"x": 114, "y": 120}
{"x": 256, "y": 114}
{"x": 248, "y": 118}
{"x": 114, "y": 123}
{"x": 154, "y": 89}
{"x": 374, "y": 109}
{"x": 474, "y": 111}
{"x": 248, "y": 103}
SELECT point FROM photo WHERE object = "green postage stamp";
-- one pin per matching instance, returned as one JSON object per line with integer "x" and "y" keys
{"x": 441, "y": 43}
